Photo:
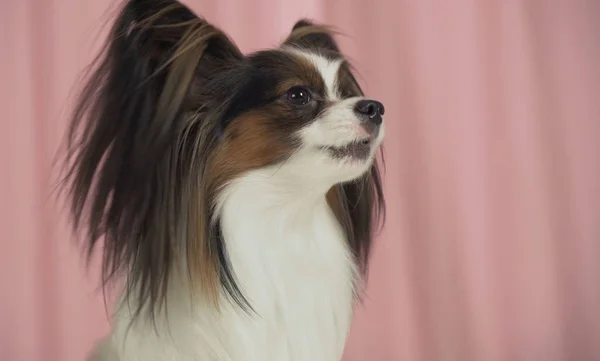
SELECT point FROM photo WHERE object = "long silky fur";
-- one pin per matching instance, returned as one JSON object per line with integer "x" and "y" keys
{"x": 139, "y": 148}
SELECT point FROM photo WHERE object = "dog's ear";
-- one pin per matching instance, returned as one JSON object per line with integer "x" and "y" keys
{"x": 133, "y": 163}
{"x": 167, "y": 36}
{"x": 308, "y": 35}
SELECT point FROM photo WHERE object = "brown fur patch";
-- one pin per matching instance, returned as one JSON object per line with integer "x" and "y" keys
{"x": 252, "y": 141}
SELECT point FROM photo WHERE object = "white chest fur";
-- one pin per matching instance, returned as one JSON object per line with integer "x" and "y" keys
{"x": 291, "y": 261}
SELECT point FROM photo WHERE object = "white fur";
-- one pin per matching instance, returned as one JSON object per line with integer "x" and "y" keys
{"x": 289, "y": 256}
{"x": 327, "y": 68}
{"x": 292, "y": 262}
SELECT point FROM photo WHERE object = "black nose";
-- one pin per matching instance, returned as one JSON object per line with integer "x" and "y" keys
{"x": 370, "y": 110}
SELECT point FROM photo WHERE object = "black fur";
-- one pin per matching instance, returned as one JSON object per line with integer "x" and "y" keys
{"x": 133, "y": 163}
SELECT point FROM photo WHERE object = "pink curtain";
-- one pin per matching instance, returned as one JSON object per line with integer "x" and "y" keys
{"x": 492, "y": 246}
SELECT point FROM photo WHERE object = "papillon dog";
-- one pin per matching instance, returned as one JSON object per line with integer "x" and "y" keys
{"x": 234, "y": 196}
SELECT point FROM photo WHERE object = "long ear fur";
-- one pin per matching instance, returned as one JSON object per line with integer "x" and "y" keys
{"x": 308, "y": 35}
{"x": 135, "y": 153}
{"x": 359, "y": 205}
{"x": 363, "y": 206}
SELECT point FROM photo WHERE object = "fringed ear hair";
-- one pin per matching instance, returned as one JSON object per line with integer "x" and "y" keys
{"x": 135, "y": 150}
{"x": 307, "y": 35}
{"x": 362, "y": 205}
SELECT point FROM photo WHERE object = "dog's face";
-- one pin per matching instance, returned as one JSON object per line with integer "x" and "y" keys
{"x": 298, "y": 107}
{"x": 302, "y": 108}
{"x": 174, "y": 112}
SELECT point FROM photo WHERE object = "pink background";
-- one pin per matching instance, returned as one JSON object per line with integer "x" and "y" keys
{"x": 492, "y": 246}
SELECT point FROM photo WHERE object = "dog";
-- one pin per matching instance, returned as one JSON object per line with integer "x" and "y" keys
{"x": 234, "y": 196}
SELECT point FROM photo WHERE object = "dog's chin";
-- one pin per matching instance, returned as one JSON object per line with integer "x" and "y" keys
{"x": 350, "y": 161}
{"x": 355, "y": 152}
{"x": 322, "y": 166}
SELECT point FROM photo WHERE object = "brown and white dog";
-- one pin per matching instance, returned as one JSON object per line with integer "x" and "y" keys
{"x": 234, "y": 195}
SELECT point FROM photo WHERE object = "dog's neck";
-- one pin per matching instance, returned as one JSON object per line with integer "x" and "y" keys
{"x": 290, "y": 259}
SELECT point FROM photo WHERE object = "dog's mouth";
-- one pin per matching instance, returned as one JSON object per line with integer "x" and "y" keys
{"x": 356, "y": 150}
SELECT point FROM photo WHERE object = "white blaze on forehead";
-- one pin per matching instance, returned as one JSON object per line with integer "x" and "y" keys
{"x": 328, "y": 68}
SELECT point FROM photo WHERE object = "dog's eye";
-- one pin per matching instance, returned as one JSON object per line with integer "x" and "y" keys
{"x": 298, "y": 95}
